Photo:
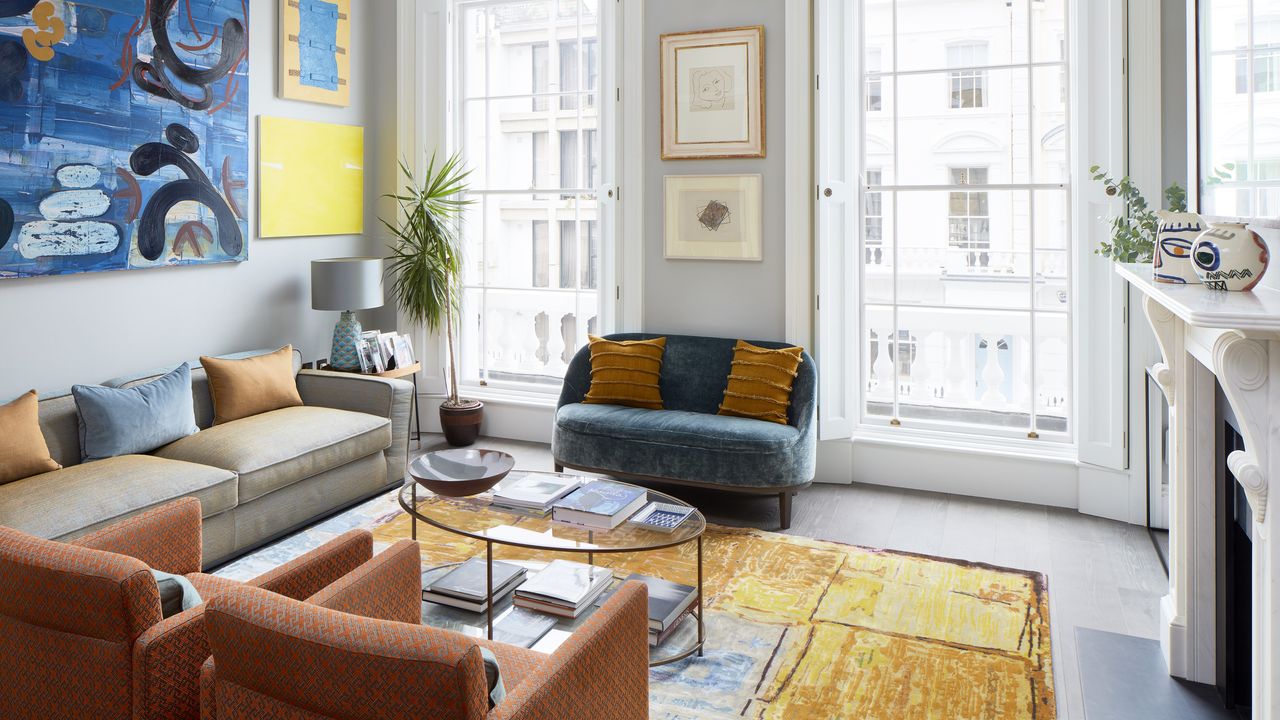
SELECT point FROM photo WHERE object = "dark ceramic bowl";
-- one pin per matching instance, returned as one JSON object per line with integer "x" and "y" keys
{"x": 461, "y": 472}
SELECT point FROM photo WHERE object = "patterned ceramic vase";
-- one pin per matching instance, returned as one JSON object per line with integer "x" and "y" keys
{"x": 1229, "y": 256}
{"x": 1175, "y": 235}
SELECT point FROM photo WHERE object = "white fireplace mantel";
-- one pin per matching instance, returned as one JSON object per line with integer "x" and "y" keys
{"x": 1233, "y": 338}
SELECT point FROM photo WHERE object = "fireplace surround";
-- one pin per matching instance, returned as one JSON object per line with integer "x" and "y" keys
{"x": 1209, "y": 340}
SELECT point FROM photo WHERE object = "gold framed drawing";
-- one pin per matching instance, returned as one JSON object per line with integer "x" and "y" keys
{"x": 713, "y": 94}
{"x": 712, "y": 217}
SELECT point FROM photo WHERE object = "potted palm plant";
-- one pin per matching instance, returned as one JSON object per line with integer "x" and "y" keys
{"x": 426, "y": 269}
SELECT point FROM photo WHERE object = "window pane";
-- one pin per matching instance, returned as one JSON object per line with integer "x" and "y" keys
{"x": 878, "y": 245}
{"x": 1053, "y": 372}
{"x": 1050, "y": 160}
{"x": 526, "y": 120}
{"x": 1049, "y": 30}
{"x": 1053, "y": 254}
{"x": 958, "y": 33}
{"x": 994, "y": 135}
{"x": 967, "y": 366}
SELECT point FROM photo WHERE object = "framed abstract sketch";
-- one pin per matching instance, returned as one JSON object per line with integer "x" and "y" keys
{"x": 125, "y": 133}
{"x": 712, "y": 217}
{"x": 713, "y": 94}
{"x": 315, "y": 62}
{"x": 310, "y": 178}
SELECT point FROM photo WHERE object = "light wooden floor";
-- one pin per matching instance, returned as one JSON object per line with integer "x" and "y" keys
{"x": 1102, "y": 574}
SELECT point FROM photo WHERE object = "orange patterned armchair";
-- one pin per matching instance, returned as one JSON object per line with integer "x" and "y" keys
{"x": 278, "y": 659}
{"x": 81, "y": 631}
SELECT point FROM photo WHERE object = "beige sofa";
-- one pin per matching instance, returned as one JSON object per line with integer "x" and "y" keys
{"x": 257, "y": 478}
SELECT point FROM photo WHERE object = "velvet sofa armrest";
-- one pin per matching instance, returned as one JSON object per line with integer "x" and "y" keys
{"x": 600, "y": 673}
{"x": 384, "y": 397}
{"x": 388, "y": 587}
{"x": 307, "y": 574}
{"x": 166, "y": 538}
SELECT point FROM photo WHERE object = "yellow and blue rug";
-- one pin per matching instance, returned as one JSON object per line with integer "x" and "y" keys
{"x": 801, "y": 628}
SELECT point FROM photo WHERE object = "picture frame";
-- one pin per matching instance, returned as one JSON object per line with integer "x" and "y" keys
{"x": 404, "y": 351}
{"x": 713, "y": 93}
{"x": 314, "y": 51}
{"x": 387, "y": 346}
{"x": 712, "y": 217}
{"x": 370, "y": 357}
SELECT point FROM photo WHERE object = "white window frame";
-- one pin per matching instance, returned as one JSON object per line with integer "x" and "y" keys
{"x": 613, "y": 313}
{"x": 1096, "y": 50}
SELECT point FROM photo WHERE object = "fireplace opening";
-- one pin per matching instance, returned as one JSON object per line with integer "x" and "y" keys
{"x": 1234, "y": 569}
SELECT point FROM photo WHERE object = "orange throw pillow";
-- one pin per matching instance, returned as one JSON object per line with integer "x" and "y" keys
{"x": 251, "y": 386}
{"x": 23, "y": 451}
{"x": 626, "y": 372}
{"x": 760, "y": 382}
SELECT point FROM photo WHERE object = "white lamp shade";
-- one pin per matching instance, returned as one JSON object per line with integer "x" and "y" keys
{"x": 346, "y": 283}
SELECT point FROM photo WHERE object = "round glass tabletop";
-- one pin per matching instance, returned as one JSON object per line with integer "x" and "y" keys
{"x": 477, "y": 517}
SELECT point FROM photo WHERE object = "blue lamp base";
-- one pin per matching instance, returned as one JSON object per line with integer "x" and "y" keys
{"x": 346, "y": 336}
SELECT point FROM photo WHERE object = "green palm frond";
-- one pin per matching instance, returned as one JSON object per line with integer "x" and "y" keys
{"x": 426, "y": 259}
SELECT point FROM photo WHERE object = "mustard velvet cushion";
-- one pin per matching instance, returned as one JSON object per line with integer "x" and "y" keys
{"x": 760, "y": 382}
{"x": 626, "y": 372}
{"x": 23, "y": 451}
{"x": 251, "y": 386}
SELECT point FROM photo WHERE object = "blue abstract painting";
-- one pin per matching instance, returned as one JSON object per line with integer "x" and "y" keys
{"x": 123, "y": 134}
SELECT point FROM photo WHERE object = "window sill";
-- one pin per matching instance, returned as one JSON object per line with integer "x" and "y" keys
{"x": 507, "y": 396}
{"x": 1044, "y": 450}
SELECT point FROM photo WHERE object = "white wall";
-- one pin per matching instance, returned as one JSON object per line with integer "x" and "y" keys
{"x": 57, "y": 331}
{"x": 697, "y": 297}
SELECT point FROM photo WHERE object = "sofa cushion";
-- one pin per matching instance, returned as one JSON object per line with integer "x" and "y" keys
{"x": 677, "y": 428}
{"x": 127, "y": 421}
{"x": 685, "y": 446}
{"x": 69, "y": 501}
{"x": 626, "y": 373}
{"x": 275, "y": 449}
{"x": 23, "y": 451}
{"x": 251, "y": 386}
{"x": 760, "y": 382}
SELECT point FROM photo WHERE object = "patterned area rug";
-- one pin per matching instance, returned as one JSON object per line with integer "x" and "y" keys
{"x": 801, "y": 628}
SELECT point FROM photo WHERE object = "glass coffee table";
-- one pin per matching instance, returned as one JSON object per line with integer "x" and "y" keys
{"x": 477, "y": 518}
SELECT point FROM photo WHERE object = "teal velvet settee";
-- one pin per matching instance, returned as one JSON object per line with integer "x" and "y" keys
{"x": 687, "y": 442}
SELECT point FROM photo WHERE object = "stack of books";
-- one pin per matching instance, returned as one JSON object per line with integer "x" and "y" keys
{"x": 465, "y": 587}
{"x": 563, "y": 588}
{"x": 599, "y": 505}
{"x": 534, "y": 493}
{"x": 668, "y": 604}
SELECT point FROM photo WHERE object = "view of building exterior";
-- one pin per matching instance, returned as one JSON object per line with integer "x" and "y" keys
{"x": 1240, "y": 110}
{"x": 528, "y": 83}
{"x": 966, "y": 290}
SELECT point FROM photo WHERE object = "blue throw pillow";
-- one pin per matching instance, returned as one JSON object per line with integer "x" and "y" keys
{"x": 126, "y": 421}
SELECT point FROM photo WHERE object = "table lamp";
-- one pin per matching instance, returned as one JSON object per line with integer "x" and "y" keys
{"x": 347, "y": 285}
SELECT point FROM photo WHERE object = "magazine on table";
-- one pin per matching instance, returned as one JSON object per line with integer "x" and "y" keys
{"x": 523, "y": 627}
{"x": 535, "y": 491}
{"x": 668, "y": 601}
{"x": 466, "y": 586}
{"x": 600, "y": 504}
{"x": 564, "y": 587}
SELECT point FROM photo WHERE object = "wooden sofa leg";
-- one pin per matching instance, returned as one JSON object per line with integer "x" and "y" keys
{"x": 784, "y": 507}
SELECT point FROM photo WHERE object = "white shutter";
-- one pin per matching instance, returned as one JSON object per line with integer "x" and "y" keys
{"x": 837, "y": 136}
{"x": 1100, "y": 338}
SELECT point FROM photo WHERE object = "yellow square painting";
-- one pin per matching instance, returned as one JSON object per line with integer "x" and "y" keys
{"x": 315, "y": 65}
{"x": 310, "y": 178}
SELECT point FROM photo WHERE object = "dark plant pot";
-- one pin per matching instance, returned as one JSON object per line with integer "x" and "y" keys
{"x": 461, "y": 424}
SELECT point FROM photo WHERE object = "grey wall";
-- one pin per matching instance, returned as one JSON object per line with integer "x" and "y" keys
{"x": 56, "y": 331}
{"x": 722, "y": 298}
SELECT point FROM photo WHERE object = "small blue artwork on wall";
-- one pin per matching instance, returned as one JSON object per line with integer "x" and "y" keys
{"x": 318, "y": 44}
{"x": 123, "y": 134}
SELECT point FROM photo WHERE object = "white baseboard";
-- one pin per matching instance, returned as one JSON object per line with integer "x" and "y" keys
{"x": 1110, "y": 494}
{"x": 1000, "y": 477}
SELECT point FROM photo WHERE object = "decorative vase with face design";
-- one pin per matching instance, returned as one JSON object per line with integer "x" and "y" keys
{"x": 1175, "y": 235}
{"x": 1229, "y": 256}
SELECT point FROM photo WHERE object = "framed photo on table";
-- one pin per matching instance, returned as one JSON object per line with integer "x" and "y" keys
{"x": 712, "y": 217}
{"x": 713, "y": 94}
